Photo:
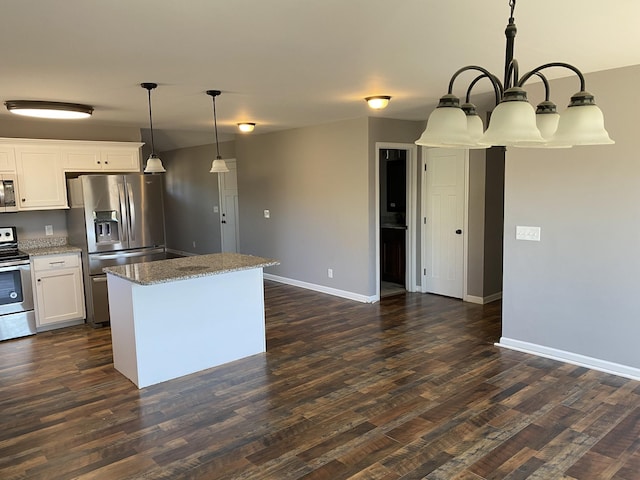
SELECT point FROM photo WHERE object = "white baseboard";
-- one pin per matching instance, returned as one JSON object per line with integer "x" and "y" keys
{"x": 483, "y": 300}
{"x": 572, "y": 358}
{"x": 322, "y": 289}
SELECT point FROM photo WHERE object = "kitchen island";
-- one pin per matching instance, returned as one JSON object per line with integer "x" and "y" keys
{"x": 174, "y": 317}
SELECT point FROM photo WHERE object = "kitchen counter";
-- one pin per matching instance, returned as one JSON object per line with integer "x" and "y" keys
{"x": 184, "y": 268}
{"x": 175, "y": 317}
{"x": 52, "y": 250}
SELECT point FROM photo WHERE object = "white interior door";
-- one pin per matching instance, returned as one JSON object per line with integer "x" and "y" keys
{"x": 228, "y": 187}
{"x": 444, "y": 207}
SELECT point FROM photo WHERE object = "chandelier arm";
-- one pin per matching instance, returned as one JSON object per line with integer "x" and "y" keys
{"x": 546, "y": 85}
{"x": 535, "y": 71}
{"x": 497, "y": 86}
{"x": 512, "y": 74}
{"x": 476, "y": 80}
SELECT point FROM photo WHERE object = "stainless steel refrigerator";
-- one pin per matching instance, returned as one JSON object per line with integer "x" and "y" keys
{"x": 116, "y": 220}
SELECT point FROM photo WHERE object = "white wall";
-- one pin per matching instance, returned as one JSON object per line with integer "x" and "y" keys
{"x": 574, "y": 293}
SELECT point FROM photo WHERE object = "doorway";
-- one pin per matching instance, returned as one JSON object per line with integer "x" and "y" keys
{"x": 396, "y": 204}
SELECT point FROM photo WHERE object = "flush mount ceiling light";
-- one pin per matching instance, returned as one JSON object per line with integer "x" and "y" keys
{"x": 246, "y": 127}
{"x": 154, "y": 164}
{"x": 378, "y": 102}
{"x": 42, "y": 109}
{"x": 514, "y": 122}
{"x": 218, "y": 165}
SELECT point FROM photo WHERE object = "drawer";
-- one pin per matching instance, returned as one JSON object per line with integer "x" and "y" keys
{"x": 52, "y": 262}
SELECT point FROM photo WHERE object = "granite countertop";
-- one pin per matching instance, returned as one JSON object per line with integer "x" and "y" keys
{"x": 164, "y": 271}
{"x": 37, "y": 247}
{"x": 52, "y": 250}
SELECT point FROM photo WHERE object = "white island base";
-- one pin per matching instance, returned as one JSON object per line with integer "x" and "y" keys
{"x": 166, "y": 330}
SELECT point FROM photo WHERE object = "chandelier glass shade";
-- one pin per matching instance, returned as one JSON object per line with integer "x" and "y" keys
{"x": 514, "y": 121}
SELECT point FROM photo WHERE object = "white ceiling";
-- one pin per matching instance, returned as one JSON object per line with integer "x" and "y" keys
{"x": 287, "y": 63}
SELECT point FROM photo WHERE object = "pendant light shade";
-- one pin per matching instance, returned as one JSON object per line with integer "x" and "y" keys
{"x": 218, "y": 165}
{"x": 154, "y": 164}
{"x": 447, "y": 126}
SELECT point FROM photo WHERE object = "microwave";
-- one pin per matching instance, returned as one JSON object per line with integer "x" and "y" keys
{"x": 8, "y": 193}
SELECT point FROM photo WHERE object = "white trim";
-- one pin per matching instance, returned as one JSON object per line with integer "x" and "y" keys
{"x": 322, "y": 289}
{"x": 569, "y": 357}
{"x": 483, "y": 300}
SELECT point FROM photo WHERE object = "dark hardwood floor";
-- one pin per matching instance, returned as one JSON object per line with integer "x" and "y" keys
{"x": 409, "y": 388}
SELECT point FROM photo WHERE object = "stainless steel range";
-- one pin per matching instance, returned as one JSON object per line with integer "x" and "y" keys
{"x": 17, "y": 318}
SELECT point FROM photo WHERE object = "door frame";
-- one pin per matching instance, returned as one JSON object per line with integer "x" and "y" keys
{"x": 411, "y": 213}
{"x": 423, "y": 224}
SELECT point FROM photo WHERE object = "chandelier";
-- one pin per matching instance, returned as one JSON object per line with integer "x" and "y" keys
{"x": 514, "y": 122}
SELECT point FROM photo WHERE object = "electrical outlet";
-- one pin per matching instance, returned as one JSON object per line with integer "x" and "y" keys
{"x": 215, "y": 209}
{"x": 267, "y": 214}
{"x": 330, "y": 272}
{"x": 194, "y": 244}
{"x": 48, "y": 230}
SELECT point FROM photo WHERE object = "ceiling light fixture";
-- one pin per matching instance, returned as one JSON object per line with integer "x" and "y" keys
{"x": 154, "y": 164}
{"x": 514, "y": 121}
{"x": 246, "y": 127}
{"x": 378, "y": 102}
{"x": 42, "y": 109}
{"x": 218, "y": 165}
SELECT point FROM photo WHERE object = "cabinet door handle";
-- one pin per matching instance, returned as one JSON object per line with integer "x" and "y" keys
{"x": 39, "y": 280}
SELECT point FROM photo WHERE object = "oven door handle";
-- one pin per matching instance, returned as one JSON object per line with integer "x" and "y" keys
{"x": 9, "y": 266}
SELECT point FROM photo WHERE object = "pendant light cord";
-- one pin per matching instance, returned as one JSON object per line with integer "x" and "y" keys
{"x": 153, "y": 150}
{"x": 215, "y": 127}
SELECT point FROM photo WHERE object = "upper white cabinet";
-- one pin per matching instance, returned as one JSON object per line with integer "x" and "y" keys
{"x": 101, "y": 157}
{"x": 7, "y": 159}
{"x": 40, "y": 166}
{"x": 41, "y": 182}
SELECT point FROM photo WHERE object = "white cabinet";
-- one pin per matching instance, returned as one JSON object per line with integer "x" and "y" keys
{"x": 41, "y": 182}
{"x": 59, "y": 297}
{"x": 7, "y": 159}
{"x": 101, "y": 157}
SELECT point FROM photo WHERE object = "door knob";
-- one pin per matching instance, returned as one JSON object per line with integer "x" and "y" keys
{"x": 458, "y": 232}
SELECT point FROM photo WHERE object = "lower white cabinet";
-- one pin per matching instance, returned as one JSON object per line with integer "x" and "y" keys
{"x": 59, "y": 296}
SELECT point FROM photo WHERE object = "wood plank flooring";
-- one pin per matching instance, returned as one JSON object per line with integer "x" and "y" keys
{"x": 409, "y": 388}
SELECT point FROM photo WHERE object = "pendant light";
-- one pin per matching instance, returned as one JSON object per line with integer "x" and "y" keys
{"x": 514, "y": 122}
{"x": 218, "y": 165}
{"x": 154, "y": 164}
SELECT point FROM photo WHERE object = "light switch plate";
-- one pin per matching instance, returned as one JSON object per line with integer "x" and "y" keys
{"x": 267, "y": 214}
{"x": 528, "y": 233}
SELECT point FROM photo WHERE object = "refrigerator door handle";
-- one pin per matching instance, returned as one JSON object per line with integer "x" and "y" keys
{"x": 2, "y": 193}
{"x": 132, "y": 214}
{"x": 123, "y": 213}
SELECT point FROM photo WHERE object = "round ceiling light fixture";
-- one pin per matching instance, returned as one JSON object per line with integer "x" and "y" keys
{"x": 246, "y": 127}
{"x": 378, "y": 102}
{"x": 44, "y": 109}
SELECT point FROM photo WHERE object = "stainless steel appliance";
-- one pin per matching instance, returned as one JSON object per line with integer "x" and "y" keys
{"x": 116, "y": 220}
{"x": 17, "y": 318}
{"x": 8, "y": 193}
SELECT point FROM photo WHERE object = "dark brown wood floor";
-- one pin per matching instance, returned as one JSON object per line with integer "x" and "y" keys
{"x": 409, "y": 388}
